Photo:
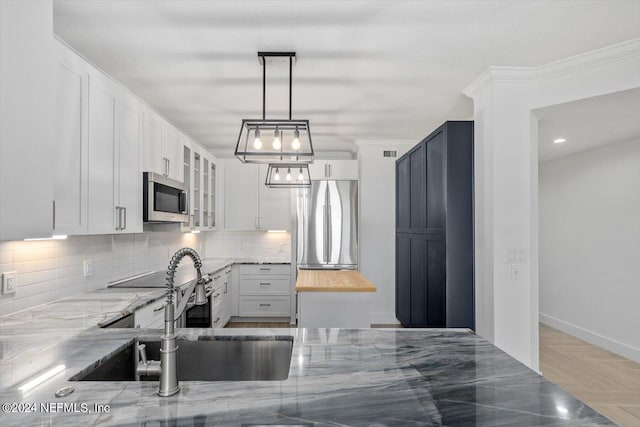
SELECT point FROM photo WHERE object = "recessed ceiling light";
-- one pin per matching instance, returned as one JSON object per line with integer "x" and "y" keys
{"x": 559, "y": 140}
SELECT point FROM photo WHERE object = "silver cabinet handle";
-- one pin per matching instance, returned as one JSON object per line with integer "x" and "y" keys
{"x": 125, "y": 218}
{"x": 265, "y": 305}
{"x": 118, "y": 218}
{"x": 166, "y": 166}
{"x": 326, "y": 170}
{"x": 265, "y": 284}
{"x": 225, "y": 287}
{"x": 54, "y": 216}
{"x": 217, "y": 319}
{"x": 329, "y": 176}
{"x": 265, "y": 269}
{"x": 216, "y": 295}
{"x": 155, "y": 310}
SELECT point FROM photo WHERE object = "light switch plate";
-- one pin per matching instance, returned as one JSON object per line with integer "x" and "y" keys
{"x": 9, "y": 282}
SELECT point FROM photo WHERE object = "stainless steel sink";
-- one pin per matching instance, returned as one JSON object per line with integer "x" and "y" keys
{"x": 234, "y": 358}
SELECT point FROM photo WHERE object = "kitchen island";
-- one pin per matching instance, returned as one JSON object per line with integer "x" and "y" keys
{"x": 346, "y": 376}
{"x": 339, "y": 376}
{"x": 334, "y": 299}
{"x": 336, "y": 376}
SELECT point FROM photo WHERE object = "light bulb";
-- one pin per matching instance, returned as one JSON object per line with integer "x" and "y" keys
{"x": 276, "y": 176}
{"x": 300, "y": 176}
{"x": 276, "y": 140}
{"x": 257, "y": 144}
{"x": 296, "y": 140}
{"x": 288, "y": 177}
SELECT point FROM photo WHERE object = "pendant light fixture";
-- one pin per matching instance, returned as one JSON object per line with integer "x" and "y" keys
{"x": 288, "y": 175}
{"x": 291, "y": 142}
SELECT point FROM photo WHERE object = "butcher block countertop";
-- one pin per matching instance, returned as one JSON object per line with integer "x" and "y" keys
{"x": 333, "y": 281}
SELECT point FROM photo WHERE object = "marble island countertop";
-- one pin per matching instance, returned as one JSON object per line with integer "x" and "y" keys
{"x": 337, "y": 376}
{"x": 379, "y": 377}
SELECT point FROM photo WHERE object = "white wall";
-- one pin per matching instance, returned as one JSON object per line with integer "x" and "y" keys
{"x": 377, "y": 233}
{"x": 51, "y": 270}
{"x": 590, "y": 246}
{"x": 506, "y": 193}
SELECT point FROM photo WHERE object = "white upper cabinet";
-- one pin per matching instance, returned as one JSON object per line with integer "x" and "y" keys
{"x": 103, "y": 138}
{"x": 129, "y": 175}
{"x": 162, "y": 148}
{"x": 274, "y": 204}
{"x": 334, "y": 169}
{"x": 242, "y": 194}
{"x": 249, "y": 204}
{"x": 70, "y": 137}
{"x": 26, "y": 119}
{"x": 152, "y": 144}
{"x": 172, "y": 152}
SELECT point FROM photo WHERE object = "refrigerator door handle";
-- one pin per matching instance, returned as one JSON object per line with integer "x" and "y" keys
{"x": 329, "y": 239}
{"x": 325, "y": 227}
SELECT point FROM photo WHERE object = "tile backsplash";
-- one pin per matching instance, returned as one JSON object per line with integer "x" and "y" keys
{"x": 54, "y": 269}
{"x": 251, "y": 244}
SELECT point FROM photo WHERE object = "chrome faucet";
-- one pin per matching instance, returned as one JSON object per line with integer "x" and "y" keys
{"x": 167, "y": 368}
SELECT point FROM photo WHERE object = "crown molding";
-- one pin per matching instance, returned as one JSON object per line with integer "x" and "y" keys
{"x": 595, "y": 58}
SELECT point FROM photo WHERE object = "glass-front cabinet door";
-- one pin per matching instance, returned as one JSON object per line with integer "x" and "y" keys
{"x": 205, "y": 193}
{"x": 197, "y": 197}
{"x": 188, "y": 182}
{"x": 212, "y": 196}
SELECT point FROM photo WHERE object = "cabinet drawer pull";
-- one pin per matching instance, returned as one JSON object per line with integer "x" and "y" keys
{"x": 216, "y": 321}
{"x": 155, "y": 310}
{"x": 265, "y": 268}
{"x": 265, "y": 305}
{"x": 216, "y": 295}
{"x": 265, "y": 284}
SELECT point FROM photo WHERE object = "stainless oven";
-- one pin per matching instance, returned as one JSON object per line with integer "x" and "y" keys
{"x": 164, "y": 199}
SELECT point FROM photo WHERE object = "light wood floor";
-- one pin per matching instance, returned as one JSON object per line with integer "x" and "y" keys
{"x": 605, "y": 381}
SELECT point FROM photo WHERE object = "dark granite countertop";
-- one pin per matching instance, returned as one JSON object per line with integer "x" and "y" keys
{"x": 368, "y": 377}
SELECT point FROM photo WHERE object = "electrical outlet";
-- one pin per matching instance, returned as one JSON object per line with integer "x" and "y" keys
{"x": 516, "y": 271}
{"x": 9, "y": 282}
{"x": 88, "y": 267}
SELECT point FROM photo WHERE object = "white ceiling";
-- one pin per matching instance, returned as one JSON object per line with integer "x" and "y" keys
{"x": 365, "y": 70}
{"x": 588, "y": 124}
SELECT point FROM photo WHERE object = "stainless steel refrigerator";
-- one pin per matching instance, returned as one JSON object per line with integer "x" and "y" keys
{"x": 327, "y": 225}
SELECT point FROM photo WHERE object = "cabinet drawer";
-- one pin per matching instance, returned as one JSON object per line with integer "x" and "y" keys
{"x": 264, "y": 306}
{"x": 268, "y": 285}
{"x": 265, "y": 269}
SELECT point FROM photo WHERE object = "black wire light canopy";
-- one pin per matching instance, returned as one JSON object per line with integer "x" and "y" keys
{"x": 274, "y": 140}
{"x": 288, "y": 175}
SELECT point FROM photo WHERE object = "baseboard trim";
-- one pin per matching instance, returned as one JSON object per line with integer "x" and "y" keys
{"x": 613, "y": 346}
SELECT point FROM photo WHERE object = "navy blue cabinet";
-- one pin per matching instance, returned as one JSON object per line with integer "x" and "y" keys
{"x": 434, "y": 230}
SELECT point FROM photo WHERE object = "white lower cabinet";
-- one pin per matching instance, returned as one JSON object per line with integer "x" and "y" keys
{"x": 151, "y": 315}
{"x": 264, "y": 306}
{"x": 221, "y": 298}
{"x": 264, "y": 290}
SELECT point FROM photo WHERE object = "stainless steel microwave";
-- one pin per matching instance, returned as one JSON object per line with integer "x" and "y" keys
{"x": 164, "y": 199}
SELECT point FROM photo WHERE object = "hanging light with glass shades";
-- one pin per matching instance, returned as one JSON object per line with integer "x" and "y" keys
{"x": 288, "y": 175}
{"x": 274, "y": 140}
